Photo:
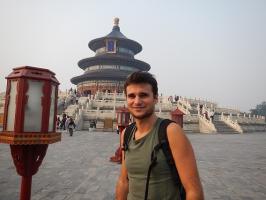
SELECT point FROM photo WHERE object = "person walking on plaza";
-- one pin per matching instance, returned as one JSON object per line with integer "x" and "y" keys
{"x": 63, "y": 121}
{"x": 142, "y": 95}
{"x": 71, "y": 126}
{"x": 212, "y": 115}
{"x": 67, "y": 122}
{"x": 58, "y": 121}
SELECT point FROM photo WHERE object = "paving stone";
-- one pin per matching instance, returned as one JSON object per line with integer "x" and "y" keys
{"x": 78, "y": 167}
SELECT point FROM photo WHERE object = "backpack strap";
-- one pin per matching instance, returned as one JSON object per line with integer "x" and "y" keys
{"x": 163, "y": 141}
{"x": 128, "y": 134}
{"x": 164, "y": 145}
{"x": 152, "y": 164}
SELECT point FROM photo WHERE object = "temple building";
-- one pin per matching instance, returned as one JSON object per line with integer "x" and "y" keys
{"x": 113, "y": 62}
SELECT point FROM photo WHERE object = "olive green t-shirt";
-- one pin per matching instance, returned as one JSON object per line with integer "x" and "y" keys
{"x": 137, "y": 160}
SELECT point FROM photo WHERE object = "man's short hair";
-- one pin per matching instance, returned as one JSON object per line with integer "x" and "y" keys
{"x": 142, "y": 77}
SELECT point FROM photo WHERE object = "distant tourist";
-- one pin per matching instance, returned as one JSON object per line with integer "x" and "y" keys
{"x": 170, "y": 98}
{"x": 212, "y": 115}
{"x": 58, "y": 121}
{"x": 63, "y": 121}
{"x": 71, "y": 126}
{"x": 67, "y": 121}
{"x": 176, "y": 98}
{"x": 206, "y": 115}
{"x": 201, "y": 109}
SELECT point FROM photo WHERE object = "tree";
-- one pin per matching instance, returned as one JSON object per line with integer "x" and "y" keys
{"x": 260, "y": 109}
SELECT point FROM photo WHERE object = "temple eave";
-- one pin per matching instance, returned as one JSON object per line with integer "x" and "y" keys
{"x": 101, "y": 75}
{"x": 78, "y": 79}
{"x": 87, "y": 62}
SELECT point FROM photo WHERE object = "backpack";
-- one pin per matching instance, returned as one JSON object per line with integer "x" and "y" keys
{"x": 164, "y": 145}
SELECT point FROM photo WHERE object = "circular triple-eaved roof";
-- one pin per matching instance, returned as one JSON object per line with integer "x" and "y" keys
{"x": 114, "y": 59}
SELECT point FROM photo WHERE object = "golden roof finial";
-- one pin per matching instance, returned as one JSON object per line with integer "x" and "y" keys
{"x": 116, "y": 21}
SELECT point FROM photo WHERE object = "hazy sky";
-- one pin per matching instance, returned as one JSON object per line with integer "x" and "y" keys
{"x": 212, "y": 49}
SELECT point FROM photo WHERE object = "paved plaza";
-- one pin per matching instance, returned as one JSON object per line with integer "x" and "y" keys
{"x": 78, "y": 168}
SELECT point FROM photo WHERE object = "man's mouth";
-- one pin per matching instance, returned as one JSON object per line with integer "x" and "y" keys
{"x": 138, "y": 108}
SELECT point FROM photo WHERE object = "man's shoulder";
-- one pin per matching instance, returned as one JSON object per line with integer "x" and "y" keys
{"x": 167, "y": 122}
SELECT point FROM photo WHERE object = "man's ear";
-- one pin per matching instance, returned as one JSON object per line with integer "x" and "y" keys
{"x": 156, "y": 98}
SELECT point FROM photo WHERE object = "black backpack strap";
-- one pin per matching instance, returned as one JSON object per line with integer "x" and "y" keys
{"x": 161, "y": 140}
{"x": 164, "y": 143}
{"x": 127, "y": 135}
{"x": 152, "y": 164}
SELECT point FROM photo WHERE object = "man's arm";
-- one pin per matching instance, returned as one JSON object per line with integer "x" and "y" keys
{"x": 122, "y": 182}
{"x": 185, "y": 162}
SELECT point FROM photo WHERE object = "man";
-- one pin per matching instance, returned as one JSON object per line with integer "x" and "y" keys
{"x": 212, "y": 115}
{"x": 71, "y": 126}
{"x": 63, "y": 122}
{"x": 67, "y": 122}
{"x": 142, "y": 95}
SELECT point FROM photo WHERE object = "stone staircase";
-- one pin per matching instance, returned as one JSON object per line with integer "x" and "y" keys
{"x": 71, "y": 110}
{"x": 91, "y": 115}
{"x": 223, "y": 128}
{"x": 193, "y": 111}
{"x": 87, "y": 118}
{"x": 103, "y": 106}
{"x": 87, "y": 126}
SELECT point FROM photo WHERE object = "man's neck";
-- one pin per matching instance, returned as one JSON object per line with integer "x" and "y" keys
{"x": 144, "y": 125}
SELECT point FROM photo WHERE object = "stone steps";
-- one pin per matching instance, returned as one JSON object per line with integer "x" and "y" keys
{"x": 223, "y": 128}
{"x": 86, "y": 125}
{"x": 193, "y": 111}
{"x": 89, "y": 116}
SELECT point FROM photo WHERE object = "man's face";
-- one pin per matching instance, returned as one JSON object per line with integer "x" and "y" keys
{"x": 140, "y": 100}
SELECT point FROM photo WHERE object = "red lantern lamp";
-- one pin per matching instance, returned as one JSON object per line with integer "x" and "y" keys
{"x": 122, "y": 117}
{"x": 29, "y": 120}
{"x": 177, "y": 116}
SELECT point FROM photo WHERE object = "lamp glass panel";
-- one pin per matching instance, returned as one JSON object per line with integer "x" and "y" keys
{"x": 33, "y": 108}
{"x": 11, "y": 110}
{"x": 52, "y": 109}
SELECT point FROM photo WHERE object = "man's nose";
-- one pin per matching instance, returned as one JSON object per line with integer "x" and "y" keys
{"x": 137, "y": 100}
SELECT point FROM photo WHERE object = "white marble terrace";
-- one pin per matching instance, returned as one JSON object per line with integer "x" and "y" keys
{"x": 102, "y": 106}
